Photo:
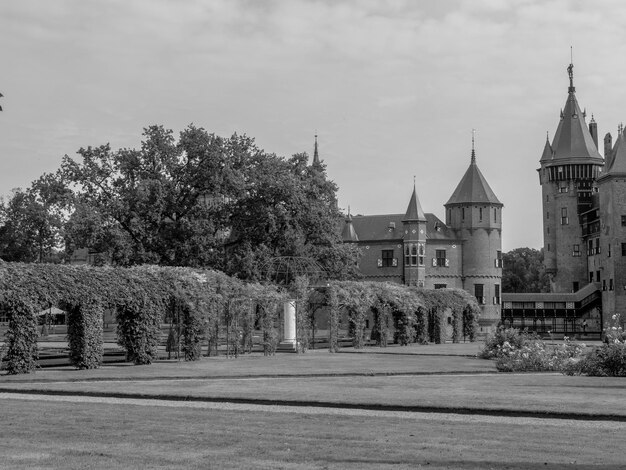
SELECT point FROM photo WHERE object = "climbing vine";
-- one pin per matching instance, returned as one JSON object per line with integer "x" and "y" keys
{"x": 141, "y": 297}
{"x": 333, "y": 320}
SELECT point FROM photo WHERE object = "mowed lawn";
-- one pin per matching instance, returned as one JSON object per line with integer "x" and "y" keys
{"x": 85, "y": 432}
{"x": 420, "y": 377}
{"x": 41, "y": 434}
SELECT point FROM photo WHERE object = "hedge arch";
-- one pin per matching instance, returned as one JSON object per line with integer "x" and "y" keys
{"x": 464, "y": 309}
{"x": 142, "y": 298}
{"x": 357, "y": 298}
{"x": 419, "y": 315}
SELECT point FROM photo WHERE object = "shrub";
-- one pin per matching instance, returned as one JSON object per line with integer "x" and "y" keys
{"x": 608, "y": 360}
{"x": 495, "y": 342}
{"x": 516, "y": 351}
{"x": 534, "y": 355}
{"x": 613, "y": 332}
{"x": 530, "y": 357}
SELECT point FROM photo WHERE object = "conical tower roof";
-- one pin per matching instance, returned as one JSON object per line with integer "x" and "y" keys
{"x": 348, "y": 234}
{"x": 546, "y": 156}
{"x": 617, "y": 165}
{"x": 473, "y": 187}
{"x": 414, "y": 213}
{"x": 572, "y": 140}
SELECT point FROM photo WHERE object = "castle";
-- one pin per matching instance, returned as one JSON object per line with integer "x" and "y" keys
{"x": 584, "y": 229}
{"x": 418, "y": 249}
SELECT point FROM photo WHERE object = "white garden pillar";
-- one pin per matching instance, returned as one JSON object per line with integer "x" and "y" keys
{"x": 289, "y": 322}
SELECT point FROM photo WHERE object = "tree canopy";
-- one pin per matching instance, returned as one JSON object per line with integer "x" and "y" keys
{"x": 31, "y": 221}
{"x": 523, "y": 271}
{"x": 198, "y": 200}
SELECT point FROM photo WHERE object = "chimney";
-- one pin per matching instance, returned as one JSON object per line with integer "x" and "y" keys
{"x": 608, "y": 145}
{"x": 593, "y": 130}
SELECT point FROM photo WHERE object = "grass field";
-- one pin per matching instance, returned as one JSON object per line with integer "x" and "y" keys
{"x": 69, "y": 435}
{"x": 73, "y": 431}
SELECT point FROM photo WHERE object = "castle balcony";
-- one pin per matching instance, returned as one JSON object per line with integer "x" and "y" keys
{"x": 577, "y": 314}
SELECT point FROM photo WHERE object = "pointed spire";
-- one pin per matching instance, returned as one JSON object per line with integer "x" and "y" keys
{"x": 547, "y": 150}
{"x": 573, "y": 139}
{"x": 473, "y": 161}
{"x": 316, "y": 156}
{"x": 348, "y": 234}
{"x": 473, "y": 188}
{"x": 414, "y": 213}
{"x": 570, "y": 72}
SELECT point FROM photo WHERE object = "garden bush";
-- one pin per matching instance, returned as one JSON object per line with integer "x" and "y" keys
{"x": 495, "y": 342}
{"x": 608, "y": 360}
{"x": 521, "y": 351}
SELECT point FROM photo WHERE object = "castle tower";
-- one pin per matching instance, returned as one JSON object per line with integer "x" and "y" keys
{"x": 567, "y": 172}
{"x": 475, "y": 214}
{"x": 612, "y": 235}
{"x": 414, "y": 243}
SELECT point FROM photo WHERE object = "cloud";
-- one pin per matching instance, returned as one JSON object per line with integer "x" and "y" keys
{"x": 393, "y": 88}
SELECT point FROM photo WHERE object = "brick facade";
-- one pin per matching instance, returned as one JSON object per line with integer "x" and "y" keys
{"x": 419, "y": 249}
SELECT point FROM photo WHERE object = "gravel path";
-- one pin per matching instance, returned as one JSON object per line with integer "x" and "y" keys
{"x": 421, "y": 416}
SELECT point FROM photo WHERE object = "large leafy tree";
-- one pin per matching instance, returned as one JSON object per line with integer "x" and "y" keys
{"x": 181, "y": 202}
{"x": 288, "y": 208}
{"x": 524, "y": 271}
{"x": 31, "y": 221}
{"x": 165, "y": 203}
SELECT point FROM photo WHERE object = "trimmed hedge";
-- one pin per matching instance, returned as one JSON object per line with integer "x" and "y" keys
{"x": 84, "y": 335}
{"x": 21, "y": 337}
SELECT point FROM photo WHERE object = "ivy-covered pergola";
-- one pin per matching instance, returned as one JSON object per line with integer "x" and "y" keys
{"x": 141, "y": 297}
{"x": 205, "y": 304}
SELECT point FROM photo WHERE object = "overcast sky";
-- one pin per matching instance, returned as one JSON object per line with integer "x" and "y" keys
{"x": 392, "y": 88}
